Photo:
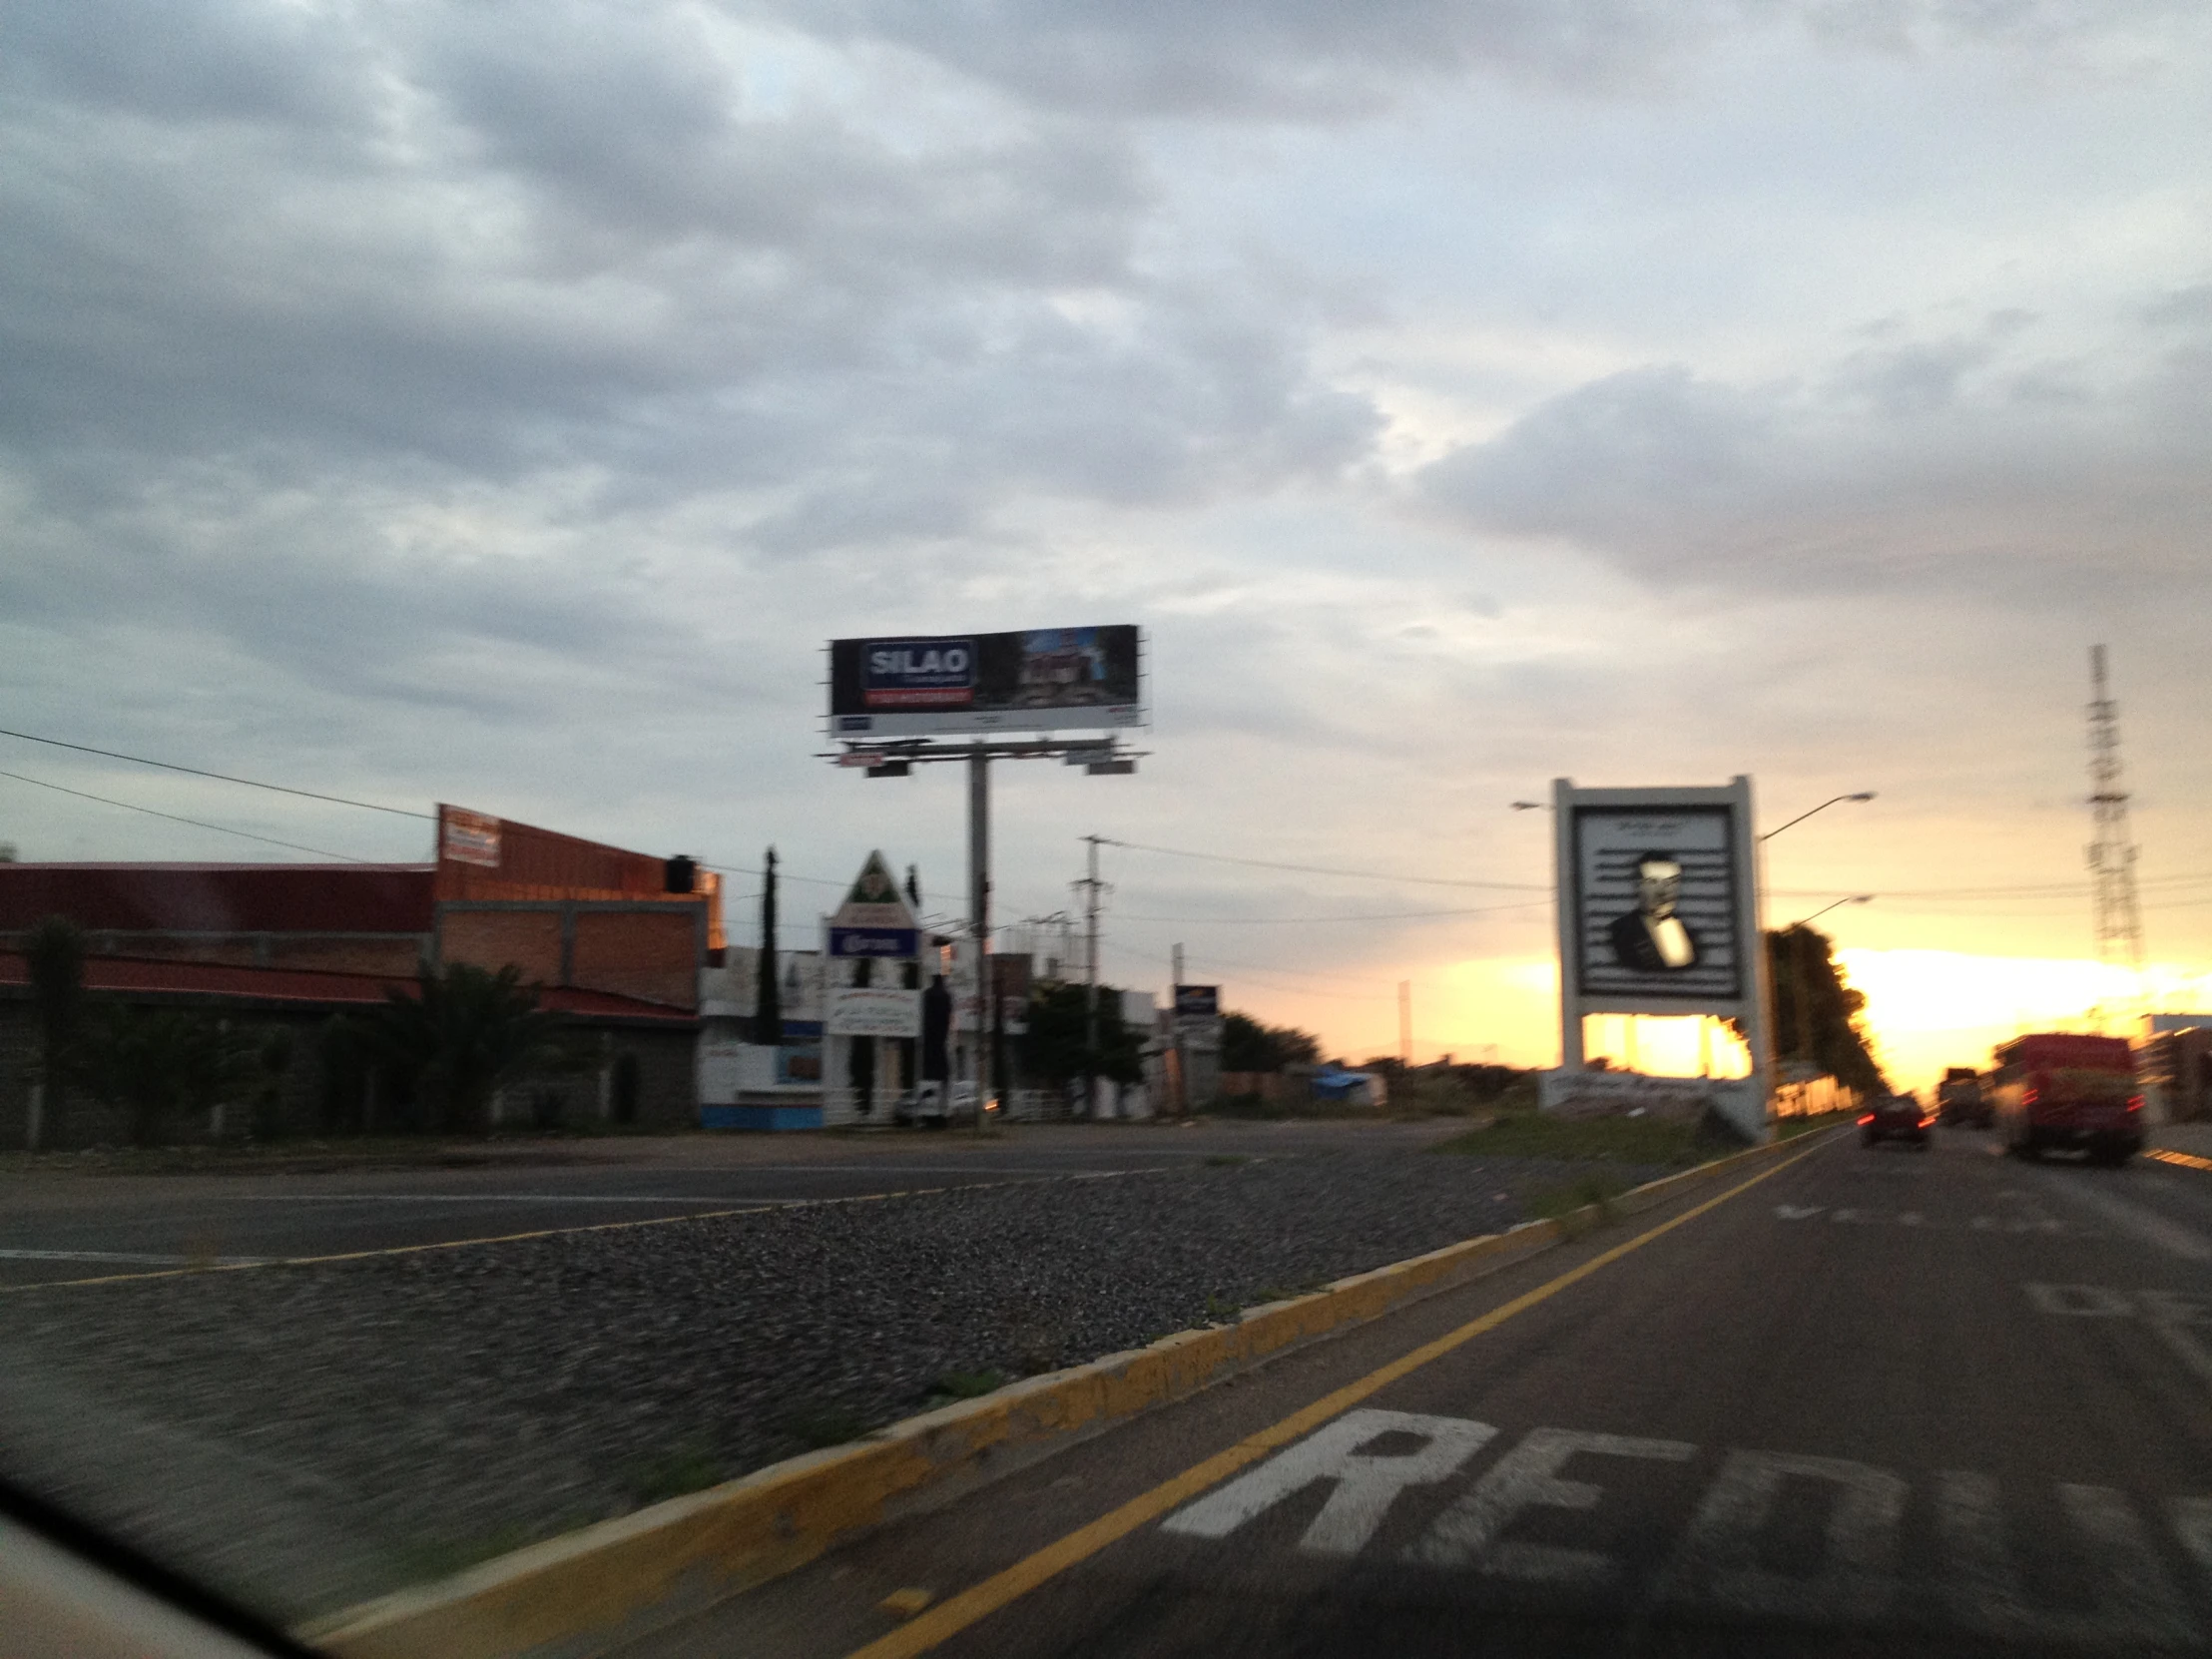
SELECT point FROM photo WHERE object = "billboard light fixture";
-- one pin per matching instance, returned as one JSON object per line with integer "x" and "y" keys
{"x": 1111, "y": 768}
{"x": 891, "y": 768}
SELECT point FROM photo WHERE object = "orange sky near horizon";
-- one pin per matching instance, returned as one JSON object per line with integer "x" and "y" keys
{"x": 1926, "y": 1009}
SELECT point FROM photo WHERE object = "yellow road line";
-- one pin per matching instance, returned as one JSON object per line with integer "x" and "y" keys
{"x": 949, "y": 1618}
{"x": 512, "y": 1238}
{"x": 2187, "y": 1159}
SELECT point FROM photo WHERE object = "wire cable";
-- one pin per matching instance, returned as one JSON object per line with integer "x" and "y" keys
{"x": 196, "y": 823}
{"x": 220, "y": 776}
{"x": 1318, "y": 870}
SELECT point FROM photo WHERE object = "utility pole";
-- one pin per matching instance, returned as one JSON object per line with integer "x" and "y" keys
{"x": 980, "y": 920}
{"x": 1406, "y": 1024}
{"x": 1090, "y": 885}
{"x": 2119, "y": 923}
{"x": 1175, "y": 1013}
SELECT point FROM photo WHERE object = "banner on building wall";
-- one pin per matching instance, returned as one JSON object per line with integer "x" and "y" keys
{"x": 1034, "y": 680}
{"x": 873, "y": 1011}
{"x": 466, "y": 838}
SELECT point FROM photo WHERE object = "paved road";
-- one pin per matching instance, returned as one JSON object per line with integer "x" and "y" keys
{"x": 63, "y": 1226}
{"x": 1880, "y": 1401}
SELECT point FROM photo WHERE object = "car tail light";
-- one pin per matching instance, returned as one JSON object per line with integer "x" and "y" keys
{"x": 2030, "y": 1097}
{"x": 1866, "y": 1118}
{"x": 2135, "y": 1103}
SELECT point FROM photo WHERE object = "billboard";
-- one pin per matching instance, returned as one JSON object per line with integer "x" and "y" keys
{"x": 1657, "y": 913}
{"x": 1034, "y": 680}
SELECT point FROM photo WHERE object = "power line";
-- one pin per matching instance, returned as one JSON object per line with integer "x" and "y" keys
{"x": 220, "y": 776}
{"x": 196, "y": 823}
{"x": 1318, "y": 870}
{"x": 1280, "y": 921}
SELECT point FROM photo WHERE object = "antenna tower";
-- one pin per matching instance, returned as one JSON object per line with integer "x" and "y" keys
{"x": 2119, "y": 923}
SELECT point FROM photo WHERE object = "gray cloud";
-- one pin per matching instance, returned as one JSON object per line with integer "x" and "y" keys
{"x": 1313, "y": 59}
{"x": 1950, "y": 461}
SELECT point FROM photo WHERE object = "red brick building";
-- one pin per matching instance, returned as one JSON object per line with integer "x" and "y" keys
{"x": 614, "y": 940}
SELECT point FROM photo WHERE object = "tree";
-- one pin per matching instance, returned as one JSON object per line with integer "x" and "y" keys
{"x": 55, "y": 952}
{"x": 459, "y": 1037}
{"x": 1249, "y": 1045}
{"x": 1054, "y": 1048}
{"x": 767, "y": 990}
{"x": 1816, "y": 1011}
{"x": 161, "y": 1064}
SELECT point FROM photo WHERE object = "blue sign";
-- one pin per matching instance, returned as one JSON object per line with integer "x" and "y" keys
{"x": 1198, "y": 1001}
{"x": 897, "y": 943}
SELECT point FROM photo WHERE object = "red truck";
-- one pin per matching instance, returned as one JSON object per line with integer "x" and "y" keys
{"x": 2055, "y": 1089}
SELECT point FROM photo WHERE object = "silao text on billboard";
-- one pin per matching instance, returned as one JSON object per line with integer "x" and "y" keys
{"x": 1034, "y": 680}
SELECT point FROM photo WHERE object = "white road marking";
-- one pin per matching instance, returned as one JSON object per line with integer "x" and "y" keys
{"x": 1366, "y": 1482}
{"x": 1797, "y": 1212}
{"x": 2079, "y": 1301}
{"x": 2136, "y": 1601}
{"x": 126, "y": 1256}
{"x": 1717, "y": 1564}
{"x": 2148, "y": 1225}
{"x": 2176, "y": 1317}
{"x": 1528, "y": 1478}
{"x": 2192, "y": 1518}
{"x": 501, "y": 1198}
{"x": 1972, "y": 1578}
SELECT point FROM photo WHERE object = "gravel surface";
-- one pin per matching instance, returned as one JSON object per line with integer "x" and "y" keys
{"x": 310, "y": 1435}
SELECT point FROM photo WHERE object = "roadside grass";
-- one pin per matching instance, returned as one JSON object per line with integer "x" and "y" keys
{"x": 817, "y": 1428}
{"x": 690, "y": 1467}
{"x": 956, "y": 1385}
{"x": 1595, "y": 1191}
{"x": 421, "y": 1560}
{"x": 1611, "y": 1140}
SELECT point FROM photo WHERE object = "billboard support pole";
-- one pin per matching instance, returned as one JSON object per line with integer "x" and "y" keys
{"x": 1570, "y": 993}
{"x": 980, "y": 917}
{"x": 1181, "y": 1061}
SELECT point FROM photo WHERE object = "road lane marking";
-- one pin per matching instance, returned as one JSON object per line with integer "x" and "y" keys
{"x": 123, "y": 1255}
{"x": 1366, "y": 1482}
{"x": 1718, "y": 1562}
{"x": 1528, "y": 1478}
{"x": 2175, "y": 1317}
{"x": 746, "y": 1208}
{"x": 1859, "y": 1571}
{"x": 2148, "y": 1225}
{"x": 2167, "y": 1155}
{"x": 949, "y": 1618}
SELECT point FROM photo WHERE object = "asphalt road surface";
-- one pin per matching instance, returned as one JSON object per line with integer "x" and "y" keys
{"x": 1878, "y": 1402}
{"x": 56, "y": 1225}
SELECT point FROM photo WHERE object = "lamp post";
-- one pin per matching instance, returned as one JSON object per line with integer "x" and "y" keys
{"x": 1862, "y": 794}
{"x": 1851, "y": 899}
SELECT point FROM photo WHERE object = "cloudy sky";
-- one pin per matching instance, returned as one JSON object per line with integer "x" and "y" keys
{"x": 501, "y": 403}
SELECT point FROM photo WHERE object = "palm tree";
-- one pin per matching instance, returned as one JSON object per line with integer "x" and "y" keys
{"x": 55, "y": 952}
{"x": 164, "y": 1063}
{"x": 768, "y": 991}
{"x": 460, "y": 1036}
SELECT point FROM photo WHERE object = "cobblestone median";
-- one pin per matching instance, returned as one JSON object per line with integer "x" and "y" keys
{"x": 310, "y": 1435}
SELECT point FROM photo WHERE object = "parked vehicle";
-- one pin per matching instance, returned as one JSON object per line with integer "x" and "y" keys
{"x": 2057, "y": 1090}
{"x": 1961, "y": 1099}
{"x": 1893, "y": 1117}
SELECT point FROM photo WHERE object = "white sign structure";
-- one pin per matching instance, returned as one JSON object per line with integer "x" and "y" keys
{"x": 873, "y": 1011}
{"x": 1659, "y": 915}
{"x": 875, "y": 899}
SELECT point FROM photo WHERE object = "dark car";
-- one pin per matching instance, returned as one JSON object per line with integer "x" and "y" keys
{"x": 1896, "y": 1117}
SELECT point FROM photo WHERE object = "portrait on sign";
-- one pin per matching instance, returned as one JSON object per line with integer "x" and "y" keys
{"x": 1655, "y": 903}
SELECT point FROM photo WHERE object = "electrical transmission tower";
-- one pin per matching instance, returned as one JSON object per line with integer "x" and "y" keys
{"x": 2119, "y": 923}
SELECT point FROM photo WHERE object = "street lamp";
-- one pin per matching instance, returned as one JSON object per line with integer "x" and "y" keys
{"x": 1853, "y": 898}
{"x": 1863, "y": 795}
{"x": 1531, "y": 805}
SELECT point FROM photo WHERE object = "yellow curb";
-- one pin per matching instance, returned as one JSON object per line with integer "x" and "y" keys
{"x": 579, "y": 1594}
{"x": 2183, "y": 1160}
